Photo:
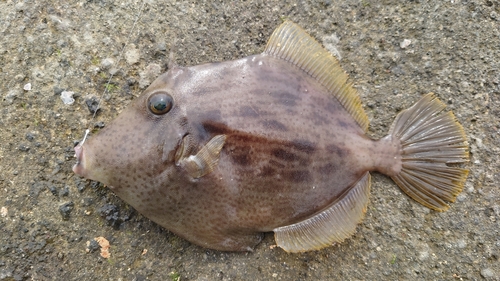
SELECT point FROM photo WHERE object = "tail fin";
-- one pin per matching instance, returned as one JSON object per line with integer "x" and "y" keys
{"x": 432, "y": 143}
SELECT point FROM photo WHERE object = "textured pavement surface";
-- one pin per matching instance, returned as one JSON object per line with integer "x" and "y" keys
{"x": 394, "y": 52}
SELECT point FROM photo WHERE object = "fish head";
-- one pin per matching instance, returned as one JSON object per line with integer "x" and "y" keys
{"x": 139, "y": 147}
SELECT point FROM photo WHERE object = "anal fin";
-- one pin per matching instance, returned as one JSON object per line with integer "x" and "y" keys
{"x": 334, "y": 224}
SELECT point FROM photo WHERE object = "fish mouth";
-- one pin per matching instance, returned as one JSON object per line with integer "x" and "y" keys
{"x": 85, "y": 165}
{"x": 78, "y": 168}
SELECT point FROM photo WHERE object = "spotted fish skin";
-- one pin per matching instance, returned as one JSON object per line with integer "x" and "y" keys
{"x": 285, "y": 151}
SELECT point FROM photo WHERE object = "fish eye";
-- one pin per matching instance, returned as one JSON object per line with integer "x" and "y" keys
{"x": 160, "y": 103}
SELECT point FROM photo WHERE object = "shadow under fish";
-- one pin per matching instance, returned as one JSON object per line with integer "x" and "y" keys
{"x": 220, "y": 153}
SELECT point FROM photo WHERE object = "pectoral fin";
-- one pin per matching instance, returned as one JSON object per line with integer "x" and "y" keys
{"x": 205, "y": 160}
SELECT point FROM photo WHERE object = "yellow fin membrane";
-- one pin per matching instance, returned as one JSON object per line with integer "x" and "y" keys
{"x": 432, "y": 141}
{"x": 334, "y": 224}
{"x": 291, "y": 43}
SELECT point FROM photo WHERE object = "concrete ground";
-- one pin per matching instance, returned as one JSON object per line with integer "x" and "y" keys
{"x": 394, "y": 51}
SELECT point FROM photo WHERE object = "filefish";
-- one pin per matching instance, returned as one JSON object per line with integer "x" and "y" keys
{"x": 221, "y": 153}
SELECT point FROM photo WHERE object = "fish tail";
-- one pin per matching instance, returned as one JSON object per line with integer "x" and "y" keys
{"x": 433, "y": 143}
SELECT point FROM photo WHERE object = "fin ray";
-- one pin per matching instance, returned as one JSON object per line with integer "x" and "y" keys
{"x": 206, "y": 159}
{"x": 334, "y": 224}
{"x": 291, "y": 43}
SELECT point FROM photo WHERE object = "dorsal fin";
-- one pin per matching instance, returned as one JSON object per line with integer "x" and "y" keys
{"x": 291, "y": 43}
{"x": 332, "y": 225}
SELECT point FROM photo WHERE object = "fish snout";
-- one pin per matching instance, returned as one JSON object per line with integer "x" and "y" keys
{"x": 79, "y": 167}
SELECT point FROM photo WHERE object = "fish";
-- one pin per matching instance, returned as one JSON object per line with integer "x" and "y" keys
{"x": 222, "y": 153}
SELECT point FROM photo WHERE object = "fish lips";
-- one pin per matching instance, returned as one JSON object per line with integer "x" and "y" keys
{"x": 79, "y": 167}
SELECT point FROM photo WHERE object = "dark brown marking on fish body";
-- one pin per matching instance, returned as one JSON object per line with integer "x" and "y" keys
{"x": 267, "y": 171}
{"x": 241, "y": 155}
{"x": 212, "y": 115}
{"x": 285, "y": 98}
{"x": 275, "y": 125}
{"x": 297, "y": 151}
{"x": 303, "y": 145}
{"x": 328, "y": 169}
{"x": 327, "y": 104}
{"x": 297, "y": 176}
{"x": 208, "y": 129}
{"x": 319, "y": 119}
{"x": 343, "y": 124}
{"x": 233, "y": 136}
{"x": 337, "y": 150}
{"x": 276, "y": 164}
{"x": 287, "y": 156}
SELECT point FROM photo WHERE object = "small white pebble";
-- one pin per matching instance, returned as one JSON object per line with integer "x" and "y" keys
{"x": 27, "y": 87}
{"x": 67, "y": 97}
{"x": 405, "y": 43}
{"x": 3, "y": 212}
